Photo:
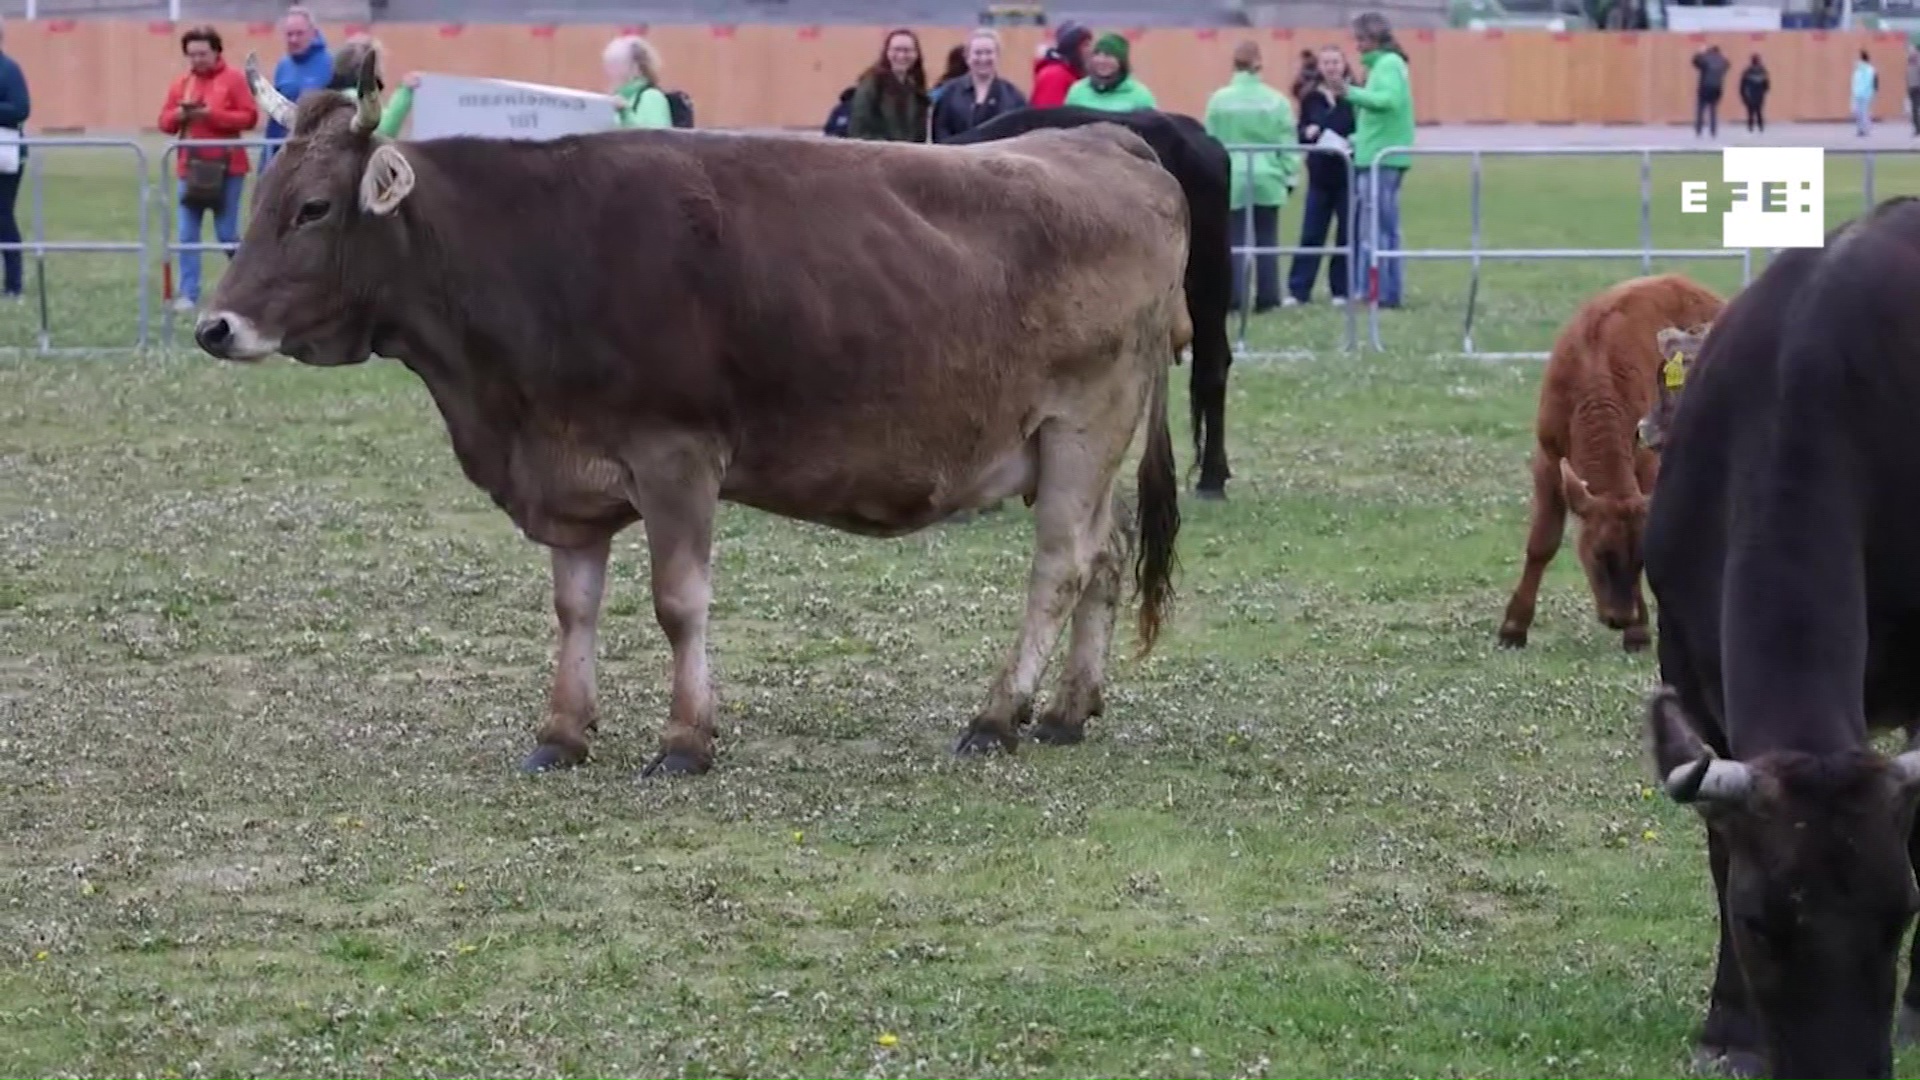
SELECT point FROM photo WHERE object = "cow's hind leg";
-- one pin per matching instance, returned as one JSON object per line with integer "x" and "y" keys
{"x": 1076, "y": 477}
{"x": 1543, "y": 543}
{"x": 579, "y": 582}
{"x": 1080, "y": 694}
{"x": 677, "y": 504}
{"x": 1907, "y": 1028}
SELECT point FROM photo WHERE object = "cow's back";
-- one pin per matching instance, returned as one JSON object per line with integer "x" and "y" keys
{"x": 1816, "y": 353}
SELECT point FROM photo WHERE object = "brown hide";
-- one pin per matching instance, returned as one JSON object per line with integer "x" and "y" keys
{"x": 1601, "y": 379}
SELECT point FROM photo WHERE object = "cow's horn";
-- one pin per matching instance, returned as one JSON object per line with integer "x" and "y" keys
{"x": 1906, "y": 769}
{"x": 270, "y": 99}
{"x": 1710, "y": 780}
{"x": 368, "y": 85}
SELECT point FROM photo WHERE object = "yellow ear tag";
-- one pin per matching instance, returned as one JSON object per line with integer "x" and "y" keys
{"x": 1674, "y": 372}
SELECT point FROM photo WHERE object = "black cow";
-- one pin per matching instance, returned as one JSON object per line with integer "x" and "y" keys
{"x": 1779, "y": 547}
{"x": 1204, "y": 170}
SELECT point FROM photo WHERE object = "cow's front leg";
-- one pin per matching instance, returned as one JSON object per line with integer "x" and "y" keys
{"x": 579, "y": 582}
{"x": 1637, "y": 636}
{"x": 1730, "y": 1039}
{"x": 679, "y": 520}
{"x": 1544, "y": 532}
{"x": 1907, "y": 1028}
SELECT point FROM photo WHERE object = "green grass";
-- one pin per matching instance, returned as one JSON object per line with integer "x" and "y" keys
{"x": 270, "y": 663}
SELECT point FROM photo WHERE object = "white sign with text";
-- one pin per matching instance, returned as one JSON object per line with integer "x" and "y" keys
{"x": 1779, "y": 197}
{"x": 502, "y": 108}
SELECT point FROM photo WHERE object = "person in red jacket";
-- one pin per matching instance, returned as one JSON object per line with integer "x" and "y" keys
{"x": 211, "y": 101}
{"x": 1057, "y": 69}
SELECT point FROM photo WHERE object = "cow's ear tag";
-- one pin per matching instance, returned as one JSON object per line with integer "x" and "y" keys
{"x": 1674, "y": 372}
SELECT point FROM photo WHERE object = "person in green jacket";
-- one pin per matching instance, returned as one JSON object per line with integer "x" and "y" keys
{"x": 1248, "y": 112}
{"x": 1383, "y": 118}
{"x": 632, "y": 68}
{"x": 1109, "y": 83}
{"x": 346, "y": 79}
{"x": 890, "y": 101}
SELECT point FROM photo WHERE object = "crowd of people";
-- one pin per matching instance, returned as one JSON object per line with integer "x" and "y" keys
{"x": 1710, "y": 67}
{"x": 1337, "y": 106}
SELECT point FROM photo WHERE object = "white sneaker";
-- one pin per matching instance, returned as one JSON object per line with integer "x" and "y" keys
{"x": 183, "y": 305}
{"x": 1339, "y": 301}
{"x": 1289, "y": 302}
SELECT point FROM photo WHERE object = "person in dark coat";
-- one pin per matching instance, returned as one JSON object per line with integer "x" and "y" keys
{"x": 979, "y": 95}
{"x": 15, "y": 107}
{"x": 890, "y": 101}
{"x": 1712, "y": 65}
{"x": 1754, "y": 85}
{"x": 1326, "y": 119}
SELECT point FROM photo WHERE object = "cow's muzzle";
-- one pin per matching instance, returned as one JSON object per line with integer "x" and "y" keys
{"x": 232, "y": 337}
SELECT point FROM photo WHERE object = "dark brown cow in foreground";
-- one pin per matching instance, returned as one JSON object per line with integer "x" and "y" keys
{"x": 1681, "y": 347}
{"x": 1600, "y": 381}
{"x": 636, "y": 326}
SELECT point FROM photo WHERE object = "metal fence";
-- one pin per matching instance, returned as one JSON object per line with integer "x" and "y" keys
{"x": 36, "y": 245}
{"x": 1246, "y": 249}
{"x": 1476, "y": 254}
{"x": 1363, "y": 261}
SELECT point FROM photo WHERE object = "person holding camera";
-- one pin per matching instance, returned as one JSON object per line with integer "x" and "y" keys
{"x": 211, "y": 101}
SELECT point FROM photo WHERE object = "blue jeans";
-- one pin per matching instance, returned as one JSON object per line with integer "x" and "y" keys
{"x": 1266, "y": 233}
{"x": 226, "y": 229}
{"x": 1325, "y": 206}
{"x": 1392, "y": 271}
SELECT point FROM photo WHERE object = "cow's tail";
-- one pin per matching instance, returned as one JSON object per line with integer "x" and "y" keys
{"x": 1159, "y": 497}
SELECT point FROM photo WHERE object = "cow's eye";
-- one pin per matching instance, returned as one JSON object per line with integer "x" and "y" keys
{"x": 311, "y": 211}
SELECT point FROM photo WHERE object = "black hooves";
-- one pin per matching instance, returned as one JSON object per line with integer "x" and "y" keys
{"x": 1636, "y": 642}
{"x": 1055, "y": 733}
{"x": 1512, "y": 640}
{"x": 979, "y": 742}
{"x": 673, "y": 763}
{"x": 548, "y": 756}
{"x": 1211, "y": 494}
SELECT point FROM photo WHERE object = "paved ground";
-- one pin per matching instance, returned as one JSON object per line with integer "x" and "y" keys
{"x": 1887, "y": 135}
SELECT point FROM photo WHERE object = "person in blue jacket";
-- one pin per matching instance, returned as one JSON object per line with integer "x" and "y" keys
{"x": 15, "y": 106}
{"x": 307, "y": 66}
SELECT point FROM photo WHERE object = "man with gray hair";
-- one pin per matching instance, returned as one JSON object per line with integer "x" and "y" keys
{"x": 307, "y": 66}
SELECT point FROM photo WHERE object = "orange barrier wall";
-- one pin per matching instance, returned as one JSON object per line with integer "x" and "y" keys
{"x": 106, "y": 76}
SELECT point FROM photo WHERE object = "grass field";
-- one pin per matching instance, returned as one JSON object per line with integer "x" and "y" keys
{"x": 270, "y": 662}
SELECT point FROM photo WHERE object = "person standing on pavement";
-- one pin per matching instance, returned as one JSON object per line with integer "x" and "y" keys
{"x": 15, "y": 107}
{"x": 1326, "y": 119}
{"x": 1865, "y": 82}
{"x": 307, "y": 66}
{"x": 1711, "y": 64}
{"x": 1754, "y": 85}
{"x": 1913, "y": 86}
{"x": 1383, "y": 118}
{"x": 1248, "y": 112}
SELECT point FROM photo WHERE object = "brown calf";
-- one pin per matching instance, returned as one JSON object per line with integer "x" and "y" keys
{"x": 1603, "y": 377}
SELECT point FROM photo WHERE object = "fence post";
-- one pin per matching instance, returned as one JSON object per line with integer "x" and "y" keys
{"x": 1245, "y": 256}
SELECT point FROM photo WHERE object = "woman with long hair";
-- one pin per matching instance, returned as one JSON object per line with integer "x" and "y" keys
{"x": 890, "y": 101}
{"x": 1326, "y": 119}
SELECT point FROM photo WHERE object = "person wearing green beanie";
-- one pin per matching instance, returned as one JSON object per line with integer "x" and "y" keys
{"x": 1109, "y": 83}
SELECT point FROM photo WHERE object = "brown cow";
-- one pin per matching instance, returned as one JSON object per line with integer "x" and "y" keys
{"x": 638, "y": 325}
{"x": 1601, "y": 379}
{"x": 1681, "y": 347}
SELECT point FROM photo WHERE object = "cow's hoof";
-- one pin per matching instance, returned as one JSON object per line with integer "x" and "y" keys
{"x": 1055, "y": 732}
{"x": 673, "y": 763}
{"x": 1511, "y": 638}
{"x": 1728, "y": 1062}
{"x": 1906, "y": 1026}
{"x": 1211, "y": 494}
{"x": 1636, "y": 639}
{"x": 550, "y": 756}
{"x": 979, "y": 742}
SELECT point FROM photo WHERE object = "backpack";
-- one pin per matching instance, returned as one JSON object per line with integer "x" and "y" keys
{"x": 680, "y": 107}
